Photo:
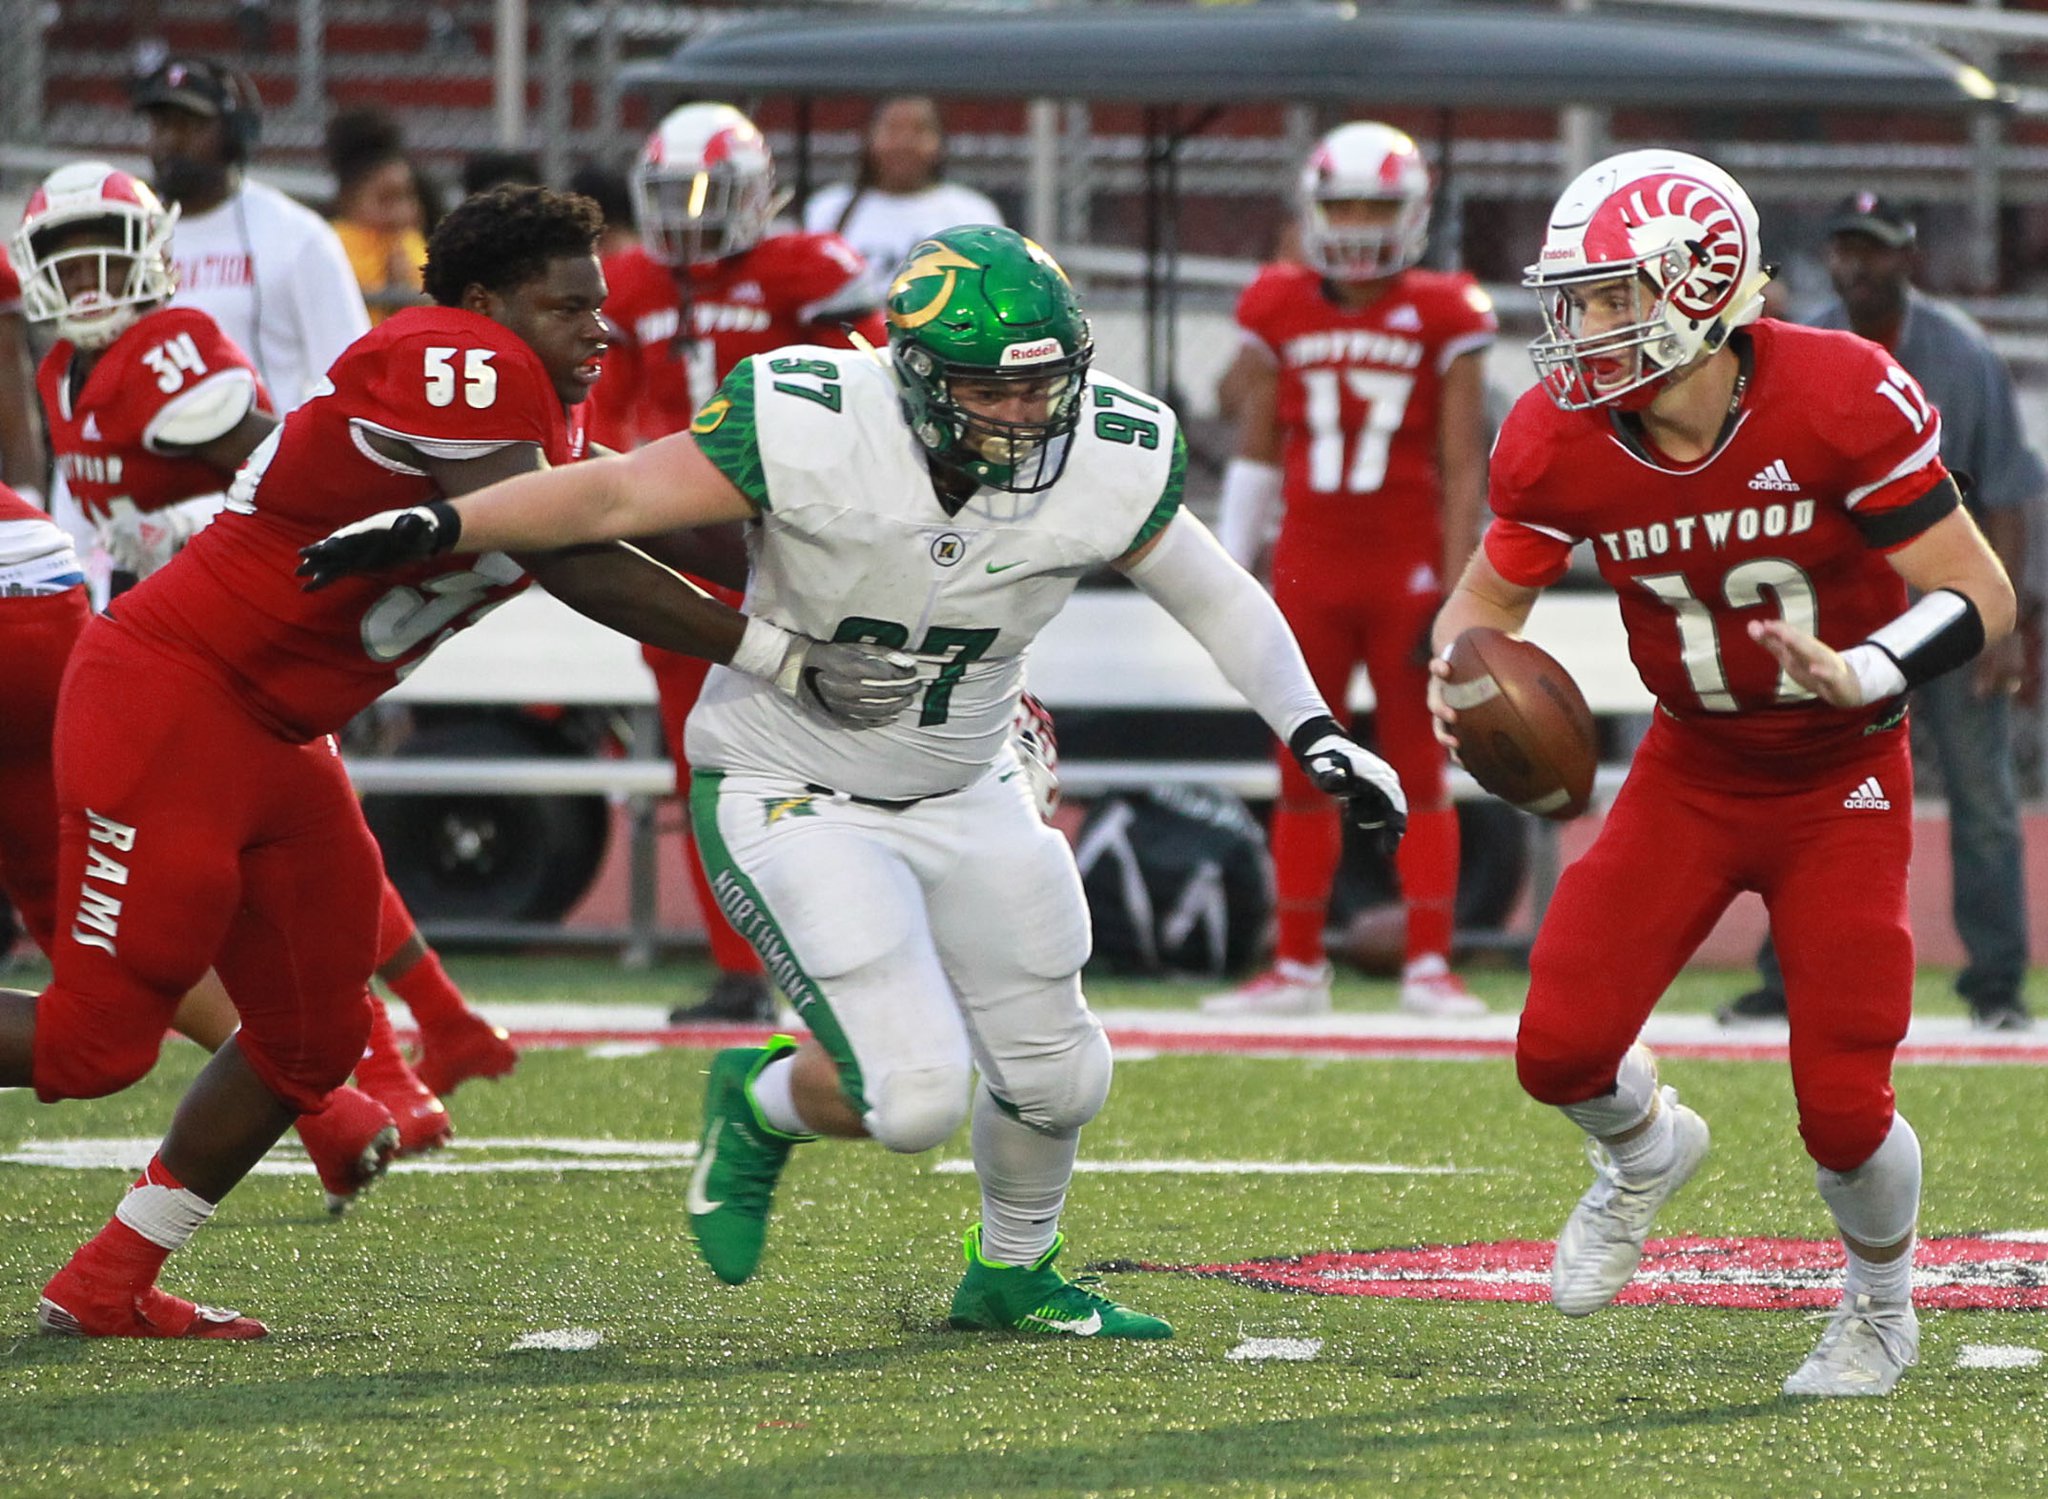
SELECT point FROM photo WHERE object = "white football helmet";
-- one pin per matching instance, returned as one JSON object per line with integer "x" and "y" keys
{"x": 93, "y": 252}
{"x": 1684, "y": 235}
{"x": 1375, "y": 163}
{"x": 704, "y": 187}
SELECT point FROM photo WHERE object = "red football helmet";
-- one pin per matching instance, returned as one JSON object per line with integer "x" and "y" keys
{"x": 1372, "y": 163}
{"x": 93, "y": 251}
{"x": 1682, "y": 237}
{"x": 704, "y": 187}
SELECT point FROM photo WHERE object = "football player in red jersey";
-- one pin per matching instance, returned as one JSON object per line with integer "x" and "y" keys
{"x": 708, "y": 286}
{"x": 1760, "y": 496}
{"x": 151, "y": 409}
{"x": 204, "y": 816}
{"x": 1364, "y": 428}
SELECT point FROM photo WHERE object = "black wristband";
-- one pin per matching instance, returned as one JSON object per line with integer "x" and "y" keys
{"x": 1309, "y": 732}
{"x": 447, "y": 523}
{"x": 1938, "y": 634}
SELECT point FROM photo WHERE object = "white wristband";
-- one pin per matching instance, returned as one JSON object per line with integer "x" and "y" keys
{"x": 762, "y": 650}
{"x": 1877, "y": 674}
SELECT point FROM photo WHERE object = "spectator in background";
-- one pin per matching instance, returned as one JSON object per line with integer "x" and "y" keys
{"x": 24, "y": 462}
{"x": 1965, "y": 715}
{"x": 900, "y": 194}
{"x": 484, "y": 170}
{"x": 377, "y": 209}
{"x": 608, "y": 189}
{"x": 269, "y": 270}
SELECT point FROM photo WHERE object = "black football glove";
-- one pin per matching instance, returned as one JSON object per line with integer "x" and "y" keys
{"x": 390, "y": 538}
{"x": 1338, "y": 764}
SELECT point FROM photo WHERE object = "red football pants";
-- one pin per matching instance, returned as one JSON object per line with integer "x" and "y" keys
{"x": 679, "y": 680}
{"x": 1691, "y": 828}
{"x": 36, "y": 637}
{"x": 1377, "y": 612}
{"x": 188, "y": 837}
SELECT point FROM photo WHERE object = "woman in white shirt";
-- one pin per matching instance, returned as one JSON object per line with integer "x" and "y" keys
{"x": 899, "y": 196}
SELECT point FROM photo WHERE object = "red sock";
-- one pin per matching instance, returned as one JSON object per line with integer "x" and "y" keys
{"x": 1428, "y": 864}
{"x": 169, "y": 1214}
{"x": 382, "y": 1047}
{"x": 395, "y": 925}
{"x": 729, "y": 950}
{"x": 428, "y": 992}
{"x": 1308, "y": 841}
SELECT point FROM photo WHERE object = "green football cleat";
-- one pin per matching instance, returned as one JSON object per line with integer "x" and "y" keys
{"x": 739, "y": 1159}
{"x": 1037, "y": 1298}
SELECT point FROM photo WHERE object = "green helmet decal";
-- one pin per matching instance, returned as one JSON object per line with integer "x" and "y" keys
{"x": 984, "y": 308}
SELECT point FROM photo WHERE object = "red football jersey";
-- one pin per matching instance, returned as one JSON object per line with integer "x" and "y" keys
{"x": 1833, "y": 461}
{"x": 450, "y": 383}
{"x": 1360, "y": 401}
{"x": 104, "y": 435}
{"x": 658, "y": 375}
{"x": 10, "y": 284}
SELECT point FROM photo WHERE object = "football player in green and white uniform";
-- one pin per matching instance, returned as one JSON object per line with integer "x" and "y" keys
{"x": 915, "y": 520}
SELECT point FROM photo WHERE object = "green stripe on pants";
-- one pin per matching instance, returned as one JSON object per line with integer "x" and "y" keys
{"x": 751, "y": 918}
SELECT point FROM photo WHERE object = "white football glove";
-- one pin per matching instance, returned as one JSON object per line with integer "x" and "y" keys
{"x": 1338, "y": 764}
{"x": 853, "y": 683}
{"x": 141, "y": 541}
{"x": 1038, "y": 751}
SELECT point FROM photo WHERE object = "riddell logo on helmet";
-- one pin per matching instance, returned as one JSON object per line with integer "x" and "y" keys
{"x": 1032, "y": 353}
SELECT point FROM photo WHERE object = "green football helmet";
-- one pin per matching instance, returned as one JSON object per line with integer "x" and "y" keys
{"x": 986, "y": 306}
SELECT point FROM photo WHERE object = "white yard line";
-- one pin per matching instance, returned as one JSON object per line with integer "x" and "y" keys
{"x": 1289, "y": 1350}
{"x": 1997, "y": 1356}
{"x": 561, "y": 1340}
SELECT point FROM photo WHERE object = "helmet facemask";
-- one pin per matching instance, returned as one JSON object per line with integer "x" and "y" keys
{"x": 694, "y": 218}
{"x": 1626, "y": 362}
{"x": 1020, "y": 456}
{"x": 1358, "y": 251}
{"x": 94, "y": 274}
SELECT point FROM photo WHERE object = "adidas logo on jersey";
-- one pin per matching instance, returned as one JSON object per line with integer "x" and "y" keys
{"x": 1869, "y": 797}
{"x": 1406, "y": 319}
{"x": 90, "y": 432}
{"x": 1774, "y": 476}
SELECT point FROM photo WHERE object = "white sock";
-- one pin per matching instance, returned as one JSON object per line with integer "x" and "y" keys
{"x": 1647, "y": 1154}
{"x": 1024, "y": 1175}
{"x": 772, "y": 1093}
{"x": 1625, "y": 1105}
{"x": 1878, "y": 1203}
{"x": 1431, "y": 965}
{"x": 1890, "y": 1281}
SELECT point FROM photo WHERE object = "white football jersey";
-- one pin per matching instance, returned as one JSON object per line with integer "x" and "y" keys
{"x": 852, "y": 543}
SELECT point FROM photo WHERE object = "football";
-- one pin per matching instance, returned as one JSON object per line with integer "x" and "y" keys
{"x": 1524, "y": 730}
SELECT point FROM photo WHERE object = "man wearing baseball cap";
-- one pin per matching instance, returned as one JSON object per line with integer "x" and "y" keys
{"x": 270, "y": 270}
{"x": 1871, "y": 246}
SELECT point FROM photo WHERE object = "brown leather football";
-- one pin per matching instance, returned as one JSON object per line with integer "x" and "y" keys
{"x": 1524, "y": 730}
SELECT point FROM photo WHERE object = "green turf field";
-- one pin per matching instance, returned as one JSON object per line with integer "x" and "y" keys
{"x": 393, "y": 1368}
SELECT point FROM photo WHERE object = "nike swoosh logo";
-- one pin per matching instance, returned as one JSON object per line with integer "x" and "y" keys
{"x": 694, "y": 1199}
{"x": 1005, "y": 567}
{"x": 1080, "y": 1327}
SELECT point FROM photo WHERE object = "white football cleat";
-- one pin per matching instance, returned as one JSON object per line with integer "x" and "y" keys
{"x": 1601, "y": 1244}
{"x": 1867, "y": 1346}
{"x": 1287, "y": 988}
{"x": 1428, "y": 987}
